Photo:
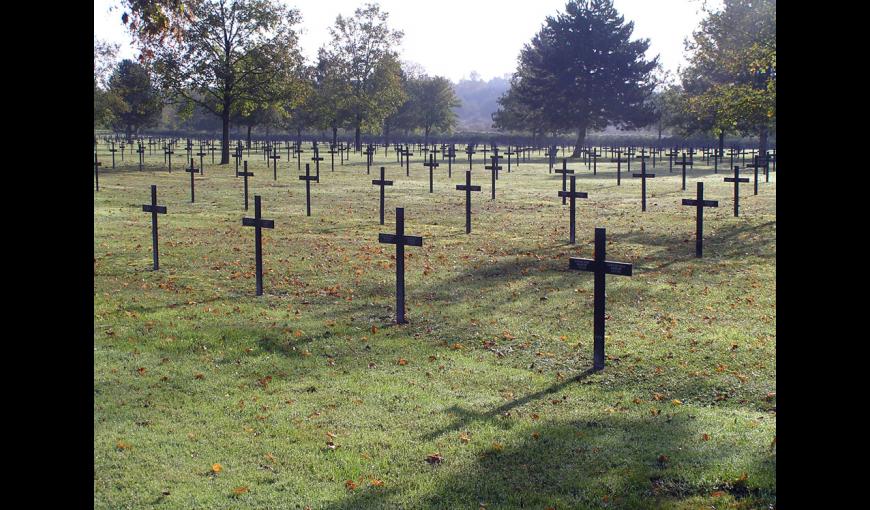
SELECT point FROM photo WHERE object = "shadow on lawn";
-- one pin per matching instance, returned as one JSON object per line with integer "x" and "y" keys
{"x": 590, "y": 462}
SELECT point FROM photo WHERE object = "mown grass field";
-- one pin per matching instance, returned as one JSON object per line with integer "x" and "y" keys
{"x": 309, "y": 397}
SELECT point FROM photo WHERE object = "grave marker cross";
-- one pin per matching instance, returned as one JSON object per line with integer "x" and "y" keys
{"x": 382, "y": 183}
{"x": 432, "y": 164}
{"x": 246, "y": 174}
{"x": 308, "y": 178}
{"x": 400, "y": 240}
{"x": 736, "y": 180}
{"x": 468, "y": 188}
{"x": 258, "y": 223}
{"x": 599, "y": 267}
{"x": 97, "y": 166}
{"x": 154, "y": 209}
{"x": 564, "y": 171}
{"x": 684, "y": 164}
{"x": 192, "y": 170}
{"x": 643, "y": 177}
{"x": 573, "y": 194}
{"x": 494, "y": 168}
{"x": 700, "y": 204}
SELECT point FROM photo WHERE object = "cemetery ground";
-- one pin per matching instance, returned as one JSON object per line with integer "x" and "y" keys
{"x": 206, "y": 395}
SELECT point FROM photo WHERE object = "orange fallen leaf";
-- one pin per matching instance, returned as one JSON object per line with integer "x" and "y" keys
{"x": 350, "y": 485}
{"x": 434, "y": 458}
{"x": 402, "y": 362}
{"x": 216, "y": 468}
{"x": 240, "y": 490}
{"x": 374, "y": 330}
{"x": 705, "y": 437}
{"x": 122, "y": 445}
{"x": 465, "y": 438}
{"x": 377, "y": 483}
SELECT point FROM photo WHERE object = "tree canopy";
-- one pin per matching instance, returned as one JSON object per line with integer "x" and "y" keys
{"x": 582, "y": 71}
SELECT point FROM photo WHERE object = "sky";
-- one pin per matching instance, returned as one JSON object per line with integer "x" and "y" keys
{"x": 453, "y": 38}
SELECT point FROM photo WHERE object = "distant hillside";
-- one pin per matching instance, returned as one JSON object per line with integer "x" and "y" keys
{"x": 478, "y": 102}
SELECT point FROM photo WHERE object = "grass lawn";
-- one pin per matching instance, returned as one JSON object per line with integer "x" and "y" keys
{"x": 309, "y": 396}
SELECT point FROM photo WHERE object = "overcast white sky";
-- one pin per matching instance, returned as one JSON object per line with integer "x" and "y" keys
{"x": 452, "y": 38}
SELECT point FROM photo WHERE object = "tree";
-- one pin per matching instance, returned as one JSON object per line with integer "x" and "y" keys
{"x": 104, "y": 60}
{"x": 233, "y": 51}
{"x": 732, "y": 67}
{"x": 137, "y": 103}
{"x": 362, "y": 55}
{"x": 155, "y": 23}
{"x": 513, "y": 115}
{"x": 435, "y": 105}
{"x": 582, "y": 71}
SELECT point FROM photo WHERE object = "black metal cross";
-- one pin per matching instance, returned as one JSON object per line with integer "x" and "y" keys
{"x": 274, "y": 157}
{"x": 470, "y": 150}
{"x": 407, "y": 155}
{"x": 369, "y": 154}
{"x": 618, "y": 162}
{"x": 468, "y": 188}
{"x": 700, "y": 204}
{"x": 154, "y": 209}
{"x": 113, "y": 150}
{"x": 169, "y": 152}
{"x": 317, "y": 158}
{"x": 246, "y": 174}
{"x": 643, "y": 177}
{"x": 382, "y": 183}
{"x": 684, "y": 164}
{"x": 308, "y": 178}
{"x": 432, "y": 164}
{"x": 192, "y": 170}
{"x": 400, "y": 240}
{"x": 97, "y": 166}
{"x": 201, "y": 155}
{"x": 494, "y": 168}
{"x": 736, "y": 180}
{"x": 258, "y": 223}
{"x": 451, "y": 155}
{"x": 564, "y": 171}
{"x": 573, "y": 194}
{"x": 599, "y": 267}
{"x": 509, "y": 154}
{"x": 141, "y": 151}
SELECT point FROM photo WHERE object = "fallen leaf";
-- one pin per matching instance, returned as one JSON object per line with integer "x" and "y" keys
{"x": 434, "y": 458}
{"x": 350, "y": 485}
{"x": 216, "y": 468}
{"x": 240, "y": 490}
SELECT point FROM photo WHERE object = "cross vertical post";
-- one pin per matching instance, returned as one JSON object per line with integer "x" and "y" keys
{"x": 700, "y": 204}
{"x": 154, "y": 209}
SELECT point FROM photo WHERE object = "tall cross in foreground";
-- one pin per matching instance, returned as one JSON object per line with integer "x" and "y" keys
{"x": 700, "y": 204}
{"x": 599, "y": 267}
{"x": 154, "y": 209}
{"x": 258, "y": 223}
{"x": 468, "y": 188}
{"x": 643, "y": 177}
{"x": 382, "y": 183}
{"x": 574, "y": 194}
{"x": 736, "y": 180}
{"x": 400, "y": 240}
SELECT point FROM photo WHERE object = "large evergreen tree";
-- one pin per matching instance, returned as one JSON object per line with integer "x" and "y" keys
{"x": 582, "y": 71}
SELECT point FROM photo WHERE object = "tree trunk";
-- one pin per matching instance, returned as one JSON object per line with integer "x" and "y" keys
{"x": 249, "y": 137}
{"x": 225, "y": 136}
{"x": 386, "y": 133}
{"x": 129, "y": 133}
{"x": 334, "y": 135}
{"x": 722, "y": 144}
{"x": 426, "y": 137}
{"x": 581, "y": 138}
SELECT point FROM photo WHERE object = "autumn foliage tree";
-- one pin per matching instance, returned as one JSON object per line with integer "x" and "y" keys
{"x": 231, "y": 53}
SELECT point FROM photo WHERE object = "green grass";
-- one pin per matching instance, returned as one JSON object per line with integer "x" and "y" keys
{"x": 192, "y": 369}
